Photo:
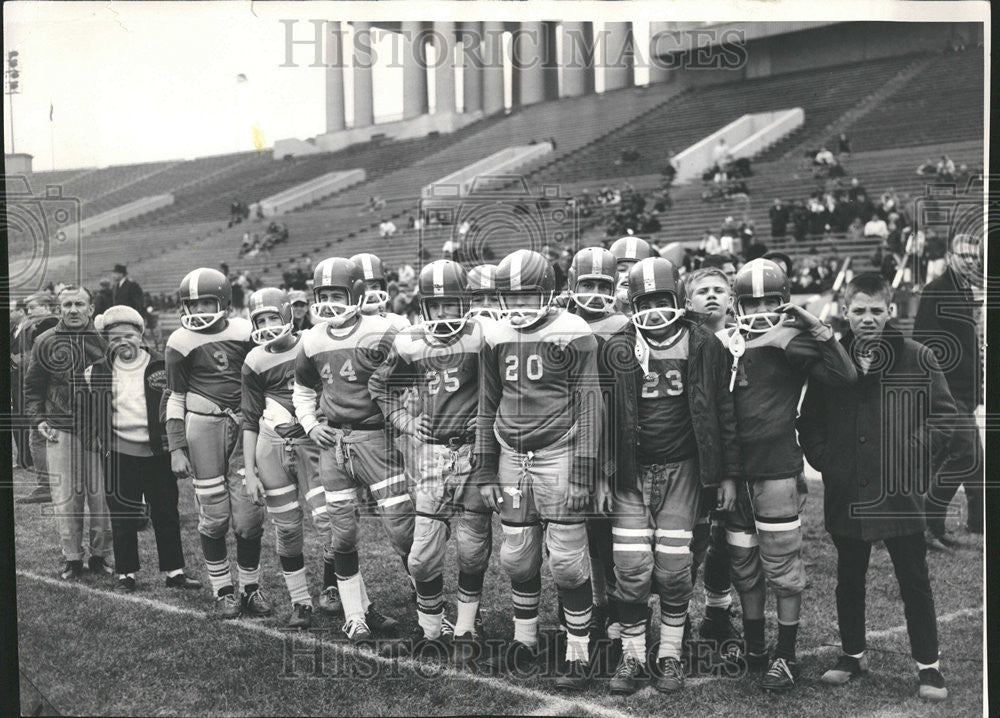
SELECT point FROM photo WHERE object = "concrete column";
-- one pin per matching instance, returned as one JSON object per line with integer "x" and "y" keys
{"x": 444, "y": 67}
{"x": 577, "y": 59}
{"x": 334, "y": 78}
{"x": 617, "y": 57}
{"x": 364, "y": 108}
{"x": 472, "y": 67}
{"x": 492, "y": 53}
{"x": 414, "y": 70}
{"x": 657, "y": 73}
{"x": 528, "y": 53}
{"x": 550, "y": 62}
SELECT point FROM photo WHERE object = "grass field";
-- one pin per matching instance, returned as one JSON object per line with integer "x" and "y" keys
{"x": 86, "y": 651}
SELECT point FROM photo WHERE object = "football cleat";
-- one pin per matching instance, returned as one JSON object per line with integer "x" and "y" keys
{"x": 430, "y": 648}
{"x": 227, "y": 605}
{"x": 719, "y": 631}
{"x": 329, "y": 601}
{"x": 669, "y": 676}
{"x": 182, "y": 580}
{"x": 301, "y": 616}
{"x": 932, "y": 686}
{"x": 204, "y": 283}
{"x": 255, "y": 604}
{"x": 515, "y": 658}
{"x": 125, "y": 584}
{"x": 575, "y": 679}
{"x": 735, "y": 654}
{"x": 358, "y": 633}
{"x": 97, "y": 565}
{"x": 847, "y": 668}
{"x": 627, "y": 676}
{"x": 780, "y": 675}
{"x": 381, "y": 624}
{"x": 465, "y": 651}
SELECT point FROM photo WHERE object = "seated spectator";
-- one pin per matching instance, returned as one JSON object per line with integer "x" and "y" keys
{"x": 876, "y": 227}
{"x": 407, "y": 274}
{"x": 946, "y": 168}
{"x": 721, "y": 152}
{"x": 927, "y": 168}
{"x": 779, "y": 219}
{"x": 825, "y": 157}
{"x": 855, "y": 190}
{"x": 843, "y": 145}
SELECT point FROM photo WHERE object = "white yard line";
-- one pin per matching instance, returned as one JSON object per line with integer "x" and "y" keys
{"x": 550, "y": 703}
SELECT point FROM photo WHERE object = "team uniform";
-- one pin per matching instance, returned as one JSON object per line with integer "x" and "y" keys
{"x": 445, "y": 372}
{"x": 538, "y": 431}
{"x": 203, "y": 416}
{"x": 764, "y": 531}
{"x": 341, "y": 360}
{"x": 287, "y": 460}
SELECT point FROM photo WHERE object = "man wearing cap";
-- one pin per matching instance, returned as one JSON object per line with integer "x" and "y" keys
{"x": 300, "y": 310}
{"x": 124, "y": 291}
{"x": 55, "y": 372}
{"x": 123, "y": 419}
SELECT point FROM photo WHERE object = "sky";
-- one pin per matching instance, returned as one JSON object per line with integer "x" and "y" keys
{"x": 141, "y": 82}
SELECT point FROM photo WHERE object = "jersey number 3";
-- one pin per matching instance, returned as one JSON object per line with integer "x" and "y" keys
{"x": 675, "y": 386}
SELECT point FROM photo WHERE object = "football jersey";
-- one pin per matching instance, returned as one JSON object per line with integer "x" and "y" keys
{"x": 538, "y": 383}
{"x": 342, "y": 363}
{"x": 445, "y": 373}
{"x": 209, "y": 363}
{"x": 665, "y": 433}
{"x": 769, "y": 380}
{"x": 268, "y": 377}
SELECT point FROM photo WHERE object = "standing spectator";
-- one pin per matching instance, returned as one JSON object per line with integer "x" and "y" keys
{"x": 872, "y": 476}
{"x": 949, "y": 308}
{"x": 121, "y": 418}
{"x": 38, "y": 320}
{"x": 406, "y": 302}
{"x": 104, "y": 298}
{"x": 855, "y": 189}
{"x": 843, "y": 145}
{"x": 18, "y": 316}
{"x": 58, "y": 359}
{"x": 825, "y": 158}
{"x": 946, "y": 168}
{"x": 720, "y": 154}
{"x": 407, "y": 274}
{"x": 125, "y": 291}
{"x": 386, "y": 228}
{"x": 779, "y": 219}
{"x": 301, "y": 319}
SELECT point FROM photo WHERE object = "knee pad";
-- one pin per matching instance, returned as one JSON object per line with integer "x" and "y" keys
{"x": 633, "y": 575}
{"x": 343, "y": 526}
{"x": 213, "y": 517}
{"x": 569, "y": 557}
{"x": 781, "y": 556}
{"x": 744, "y": 560}
{"x": 672, "y": 575}
{"x": 521, "y": 552}
{"x": 397, "y": 518}
{"x": 288, "y": 538}
{"x": 426, "y": 558}
{"x": 474, "y": 541}
{"x": 248, "y": 519}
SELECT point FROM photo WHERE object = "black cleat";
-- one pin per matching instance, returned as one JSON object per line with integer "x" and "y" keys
{"x": 329, "y": 601}
{"x": 847, "y": 668}
{"x": 627, "y": 677}
{"x": 71, "y": 571}
{"x": 575, "y": 679}
{"x": 465, "y": 651}
{"x": 515, "y": 659}
{"x": 380, "y": 624}
{"x": 125, "y": 584}
{"x": 255, "y": 604}
{"x": 182, "y": 580}
{"x": 98, "y": 565}
{"x": 669, "y": 675}
{"x": 301, "y": 616}
{"x": 932, "y": 686}
{"x": 780, "y": 675}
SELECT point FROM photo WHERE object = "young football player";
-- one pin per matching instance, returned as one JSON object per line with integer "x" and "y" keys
{"x": 440, "y": 357}
{"x": 708, "y": 296}
{"x": 482, "y": 289}
{"x": 627, "y": 251}
{"x": 339, "y": 355}
{"x": 685, "y": 442}
{"x": 204, "y": 361}
{"x": 536, "y": 453}
{"x": 280, "y": 459}
{"x": 776, "y": 346}
{"x": 592, "y": 278}
{"x": 376, "y": 290}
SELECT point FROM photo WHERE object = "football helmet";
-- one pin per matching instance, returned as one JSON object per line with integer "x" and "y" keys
{"x": 200, "y": 284}
{"x": 266, "y": 300}
{"x": 482, "y": 287}
{"x": 443, "y": 279}
{"x": 627, "y": 251}
{"x": 757, "y": 279}
{"x": 593, "y": 263}
{"x": 376, "y": 300}
{"x": 655, "y": 275}
{"x": 524, "y": 272}
{"x": 338, "y": 273}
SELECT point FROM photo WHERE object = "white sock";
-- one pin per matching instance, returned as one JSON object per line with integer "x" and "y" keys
{"x": 924, "y": 666}
{"x": 466, "y": 620}
{"x": 365, "y": 601}
{"x": 298, "y": 590}
{"x": 175, "y": 572}
{"x": 248, "y": 575}
{"x": 351, "y": 596}
{"x": 719, "y": 600}
{"x": 126, "y": 575}
{"x": 614, "y": 631}
{"x": 671, "y": 638}
{"x": 577, "y": 648}
{"x": 859, "y": 656}
{"x": 526, "y": 631}
{"x": 430, "y": 623}
{"x": 219, "y": 574}
{"x": 634, "y": 641}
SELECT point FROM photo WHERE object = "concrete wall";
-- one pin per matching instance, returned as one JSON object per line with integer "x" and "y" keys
{"x": 457, "y": 184}
{"x": 303, "y": 194}
{"x": 124, "y": 213}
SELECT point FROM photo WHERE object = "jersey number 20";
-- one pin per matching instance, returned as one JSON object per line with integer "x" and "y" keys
{"x": 532, "y": 367}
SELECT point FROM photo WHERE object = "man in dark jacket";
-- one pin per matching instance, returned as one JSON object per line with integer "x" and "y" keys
{"x": 55, "y": 372}
{"x": 949, "y": 320}
{"x": 125, "y": 291}
{"x": 121, "y": 418}
{"x": 876, "y": 466}
{"x": 104, "y": 298}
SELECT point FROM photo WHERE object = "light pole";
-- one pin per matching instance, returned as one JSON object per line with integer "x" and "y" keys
{"x": 12, "y": 74}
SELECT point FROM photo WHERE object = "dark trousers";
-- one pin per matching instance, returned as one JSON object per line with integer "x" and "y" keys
{"x": 963, "y": 465}
{"x": 909, "y": 560}
{"x": 127, "y": 480}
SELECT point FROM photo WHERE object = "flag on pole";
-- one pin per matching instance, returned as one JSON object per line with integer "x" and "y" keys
{"x": 51, "y": 110}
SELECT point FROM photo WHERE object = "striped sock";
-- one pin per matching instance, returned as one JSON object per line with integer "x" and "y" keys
{"x": 924, "y": 666}
{"x": 293, "y": 568}
{"x": 632, "y": 629}
{"x": 671, "y": 629}
{"x": 578, "y": 610}
{"x": 249, "y": 577}
{"x": 718, "y": 600}
{"x": 220, "y": 575}
{"x": 527, "y": 596}
{"x": 430, "y": 606}
{"x": 470, "y": 591}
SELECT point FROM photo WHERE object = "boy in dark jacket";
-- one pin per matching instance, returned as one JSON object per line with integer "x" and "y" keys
{"x": 685, "y": 441}
{"x": 876, "y": 466}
